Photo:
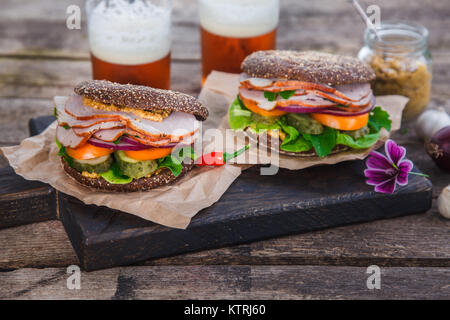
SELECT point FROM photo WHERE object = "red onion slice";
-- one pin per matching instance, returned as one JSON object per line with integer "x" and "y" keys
{"x": 329, "y": 110}
{"x": 124, "y": 144}
{"x": 299, "y": 109}
{"x": 120, "y": 146}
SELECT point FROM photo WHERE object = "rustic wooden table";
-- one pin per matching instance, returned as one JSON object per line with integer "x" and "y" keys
{"x": 40, "y": 57}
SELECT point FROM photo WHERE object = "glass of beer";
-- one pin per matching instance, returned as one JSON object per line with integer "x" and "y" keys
{"x": 130, "y": 41}
{"x": 232, "y": 29}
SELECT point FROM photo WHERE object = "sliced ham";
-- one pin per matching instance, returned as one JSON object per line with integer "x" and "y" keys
{"x": 65, "y": 119}
{"x": 309, "y": 100}
{"x": 109, "y": 135}
{"x": 306, "y": 100}
{"x": 256, "y": 83}
{"x": 68, "y": 138}
{"x": 350, "y": 92}
{"x": 355, "y": 104}
{"x": 89, "y": 131}
{"x": 176, "y": 125}
{"x": 354, "y": 92}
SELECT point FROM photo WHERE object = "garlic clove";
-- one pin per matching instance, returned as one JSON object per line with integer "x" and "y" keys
{"x": 431, "y": 121}
{"x": 444, "y": 202}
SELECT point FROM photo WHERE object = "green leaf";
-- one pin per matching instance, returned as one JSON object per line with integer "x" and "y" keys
{"x": 378, "y": 118}
{"x": 55, "y": 113}
{"x": 291, "y": 132}
{"x": 171, "y": 163}
{"x": 298, "y": 145}
{"x": 62, "y": 153}
{"x": 271, "y": 96}
{"x": 186, "y": 152}
{"x": 323, "y": 143}
{"x": 361, "y": 143}
{"x": 239, "y": 117}
{"x": 66, "y": 126}
{"x": 261, "y": 127}
{"x": 118, "y": 140}
{"x": 174, "y": 162}
{"x": 294, "y": 141}
{"x": 115, "y": 176}
{"x": 287, "y": 94}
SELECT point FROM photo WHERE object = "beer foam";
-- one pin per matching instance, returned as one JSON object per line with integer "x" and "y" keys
{"x": 239, "y": 18}
{"x": 128, "y": 33}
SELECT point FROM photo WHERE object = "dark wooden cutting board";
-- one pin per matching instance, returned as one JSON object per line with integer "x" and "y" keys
{"x": 254, "y": 207}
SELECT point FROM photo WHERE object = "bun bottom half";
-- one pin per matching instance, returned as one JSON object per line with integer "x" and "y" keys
{"x": 163, "y": 178}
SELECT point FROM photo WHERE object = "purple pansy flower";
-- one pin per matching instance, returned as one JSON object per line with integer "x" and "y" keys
{"x": 385, "y": 172}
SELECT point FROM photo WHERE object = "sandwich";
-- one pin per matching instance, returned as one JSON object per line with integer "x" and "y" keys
{"x": 124, "y": 138}
{"x": 313, "y": 104}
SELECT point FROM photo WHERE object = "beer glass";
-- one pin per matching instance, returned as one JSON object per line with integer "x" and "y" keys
{"x": 130, "y": 41}
{"x": 232, "y": 29}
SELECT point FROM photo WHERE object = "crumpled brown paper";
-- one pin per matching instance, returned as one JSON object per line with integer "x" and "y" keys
{"x": 220, "y": 90}
{"x": 172, "y": 205}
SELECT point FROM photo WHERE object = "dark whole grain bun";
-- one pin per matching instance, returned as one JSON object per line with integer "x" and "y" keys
{"x": 161, "y": 179}
{"x": 140, "y": 97}
{"x": 309, "y": 66}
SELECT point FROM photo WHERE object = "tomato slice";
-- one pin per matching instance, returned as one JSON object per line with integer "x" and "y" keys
{"x": 149, "y": 154}
{"x": 342, "y": 122}
{"x": 88, "y": 151}
{"x": 254, "y": 108}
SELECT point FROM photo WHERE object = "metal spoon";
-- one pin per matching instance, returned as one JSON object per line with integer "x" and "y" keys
{"x": 365, "y": 18}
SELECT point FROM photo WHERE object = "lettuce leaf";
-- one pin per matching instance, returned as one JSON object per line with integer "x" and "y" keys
{"x": 115, "y": 176}
{"x": 239, "y": 117}
{"x": 174, "y": 162}
{"x": 323, "y": 143}
{"x": 294, "y": 141}
{"x": 361, "y": 143}
{"x": 62, "y": 153}
{"x": 171, "y": 163}
{"x": 378, "y": 118}
{"x": 261, "y": 127}
{"x": 298, "y": 145}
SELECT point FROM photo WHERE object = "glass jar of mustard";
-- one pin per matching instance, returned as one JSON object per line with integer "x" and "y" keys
{"x": 401, "y": 61}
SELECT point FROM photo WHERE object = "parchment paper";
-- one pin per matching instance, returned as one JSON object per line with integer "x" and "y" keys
{"x": 173, "y": 205}
{"x": 220, "y": 90}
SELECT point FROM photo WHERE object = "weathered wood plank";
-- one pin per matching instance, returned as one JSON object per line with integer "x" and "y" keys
{"x": 30, "y": 30}
{"x": 419, "y": 240}
{"x": 38, "y": 245}
{"x": 14, "y": 116}
{"x": 23, "y": 201}
{"x": 227, "y": 282}
{"x": 43, "y": 79}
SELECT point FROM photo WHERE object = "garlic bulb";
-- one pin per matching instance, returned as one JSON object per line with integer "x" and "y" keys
{"x": 444, "y": 202}
{"x": 431, "y": 121}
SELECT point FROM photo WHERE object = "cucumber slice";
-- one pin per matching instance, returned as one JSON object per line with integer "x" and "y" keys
{"x": 264, "y": 120}
{"x": 304, "y": 123}
{"x": 97, "y": 165}
{"x": 134, "y": 168}
{"x": 356, "y": 134}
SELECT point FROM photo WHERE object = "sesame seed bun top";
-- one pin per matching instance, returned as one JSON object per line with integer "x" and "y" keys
{"x": 309, "y": 66}
{"x": 140, "y": 97}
